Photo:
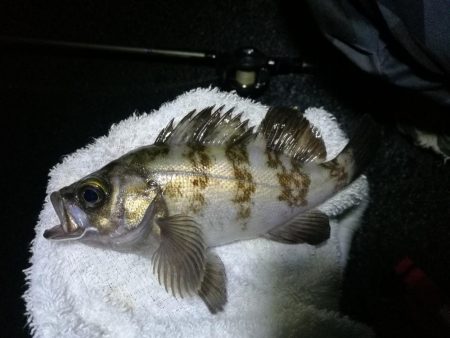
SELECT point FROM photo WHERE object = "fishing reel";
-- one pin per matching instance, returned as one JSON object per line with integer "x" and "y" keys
{"x": 248, "y": 71}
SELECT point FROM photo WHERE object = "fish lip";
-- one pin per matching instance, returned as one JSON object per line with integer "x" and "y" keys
{"x": 58, "y": 233}
{"x": 69, "y": 227}
{"x": 67, "y": 223}
{"x": 58, "y": 205}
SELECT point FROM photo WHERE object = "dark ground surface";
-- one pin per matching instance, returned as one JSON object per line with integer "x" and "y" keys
{"x": 52, "y": 104}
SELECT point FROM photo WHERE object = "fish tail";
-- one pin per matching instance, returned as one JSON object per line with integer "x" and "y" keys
{"x": 362, "y": 146}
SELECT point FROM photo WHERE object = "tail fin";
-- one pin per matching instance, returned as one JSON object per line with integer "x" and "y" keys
{"x": 362, "y": 145}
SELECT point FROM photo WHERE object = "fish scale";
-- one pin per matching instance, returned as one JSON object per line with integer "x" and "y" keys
{"x": 177, "y": 176}
{"x": 208, "y": 181}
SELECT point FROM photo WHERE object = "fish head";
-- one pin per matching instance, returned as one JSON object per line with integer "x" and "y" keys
{"x": 107, "y": 207}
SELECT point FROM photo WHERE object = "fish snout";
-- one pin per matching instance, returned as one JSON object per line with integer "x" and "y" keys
{"x": 71, "y": 226}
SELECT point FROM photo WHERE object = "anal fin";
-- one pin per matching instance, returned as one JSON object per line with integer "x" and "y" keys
{"x": 312, "y": 227}
{"x": 213, "y": 290}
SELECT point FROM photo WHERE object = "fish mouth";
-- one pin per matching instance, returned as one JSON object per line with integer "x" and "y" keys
{"x": 71, "y": 217}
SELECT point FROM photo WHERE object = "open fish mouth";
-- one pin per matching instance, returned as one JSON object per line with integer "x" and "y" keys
{"x": 72, "y": 220}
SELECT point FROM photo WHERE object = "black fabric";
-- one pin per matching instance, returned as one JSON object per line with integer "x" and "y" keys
{"x": 402, "y": 41}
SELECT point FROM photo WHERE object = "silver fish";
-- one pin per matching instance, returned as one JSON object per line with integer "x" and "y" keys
{"x": 208, "y": 181}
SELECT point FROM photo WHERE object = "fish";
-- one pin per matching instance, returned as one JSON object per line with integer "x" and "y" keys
{"x": 207, "y": 181}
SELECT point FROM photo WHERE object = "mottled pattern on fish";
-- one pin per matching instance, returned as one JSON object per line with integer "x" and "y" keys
{"x": 230, "y": 189}
{"x": 208, "y": 181}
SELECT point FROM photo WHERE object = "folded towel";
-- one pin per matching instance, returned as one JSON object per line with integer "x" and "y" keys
{"x": 274, "y": 289}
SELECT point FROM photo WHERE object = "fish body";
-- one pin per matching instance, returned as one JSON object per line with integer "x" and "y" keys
{"x": 235, "y": 194}
{"x": 209, "y": 181}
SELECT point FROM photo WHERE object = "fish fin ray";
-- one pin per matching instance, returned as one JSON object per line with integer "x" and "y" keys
{"x": 213, "y": 290}
{"x": 180, "y": 259}
{"x": 287, "y": 131}
{"x": 312, "y": 227}
{"x": 165, "y": 133}
{"x": 362, "y": 145}
{"x": 207, "y": 127}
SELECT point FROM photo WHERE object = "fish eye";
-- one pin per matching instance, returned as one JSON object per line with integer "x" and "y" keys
{"x": 92, "y": 193}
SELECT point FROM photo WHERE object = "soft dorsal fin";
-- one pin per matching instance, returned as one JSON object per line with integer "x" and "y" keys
{"x": 207, "y": 127}
{"x": 287, "y": 131}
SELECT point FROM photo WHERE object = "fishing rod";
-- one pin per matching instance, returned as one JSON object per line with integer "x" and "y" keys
{"x": 246, "y": 70}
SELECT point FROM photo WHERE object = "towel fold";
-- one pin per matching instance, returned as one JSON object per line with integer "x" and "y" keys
{"x": 274, "y": 289}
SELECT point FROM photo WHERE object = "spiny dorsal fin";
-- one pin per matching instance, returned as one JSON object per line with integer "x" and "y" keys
{"x": 286, "y": 130}
{"x": 207, "y": 127}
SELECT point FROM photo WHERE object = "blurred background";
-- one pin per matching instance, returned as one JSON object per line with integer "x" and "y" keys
{"x": 53, "y": 102}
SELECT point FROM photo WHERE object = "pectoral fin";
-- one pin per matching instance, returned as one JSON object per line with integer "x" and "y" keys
{"x": 312, "y": 227}
{"x": 214, "y": 290}
{"x": 180, "y": 260}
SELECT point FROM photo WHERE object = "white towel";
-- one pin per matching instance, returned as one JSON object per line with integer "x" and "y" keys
{"x": 274, "y": 289}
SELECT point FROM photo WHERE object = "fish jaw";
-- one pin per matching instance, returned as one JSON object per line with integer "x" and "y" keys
{"x": 73, "y": 221}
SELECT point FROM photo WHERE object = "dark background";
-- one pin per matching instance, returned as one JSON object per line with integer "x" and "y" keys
{"x": 53, "y": 103}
